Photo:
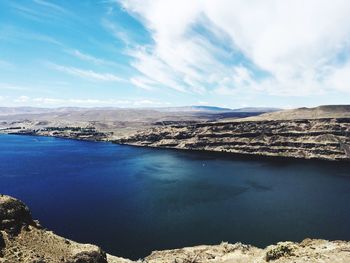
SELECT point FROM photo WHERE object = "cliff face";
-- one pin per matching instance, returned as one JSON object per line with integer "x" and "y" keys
{"x": 23, "y": 240}
{"x": 322, "y": 132}
{"x": 327, "y": 138}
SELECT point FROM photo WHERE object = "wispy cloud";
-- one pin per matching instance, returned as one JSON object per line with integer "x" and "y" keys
{"x": 13, "y": 33}
{"x": 117, "y": 31}
{"x": 50, "y": 5}
{"x": 153, "y": 70}
{"x": 89, "y": 58}
{"x": 37, "y": 87}
{"x": 86, "y": 74}
{"x": 143, "y": 83}
{"x": 6, "y": 86}
{"x": 41, "y": 11}
{"x": 282, "y": 47}
{"x": 27, "y": 12}
{"x": 55, "y": 102}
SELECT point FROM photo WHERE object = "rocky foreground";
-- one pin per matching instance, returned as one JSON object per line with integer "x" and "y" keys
{"x": 23, "y": 239}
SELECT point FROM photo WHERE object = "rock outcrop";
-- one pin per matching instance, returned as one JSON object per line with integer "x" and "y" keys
{"x": 309, "y": 250}
{"x": 305, "y": 138}
{"x": 14, "y": 215}
{"x": 23, "y": 240}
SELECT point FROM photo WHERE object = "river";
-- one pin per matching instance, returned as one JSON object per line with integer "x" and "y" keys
{"x": 131, "y": 200}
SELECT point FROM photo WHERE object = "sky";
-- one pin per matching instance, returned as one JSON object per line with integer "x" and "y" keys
{"x": 165, "y": 53}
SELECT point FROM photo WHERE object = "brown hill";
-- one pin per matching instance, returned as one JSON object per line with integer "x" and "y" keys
{"x": 320, "y": 112}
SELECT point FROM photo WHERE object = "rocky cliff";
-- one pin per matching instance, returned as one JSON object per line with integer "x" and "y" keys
{"x": 327, "y": 138}
{"x": 23, "y": 239}
{"x": 322, "y": 132}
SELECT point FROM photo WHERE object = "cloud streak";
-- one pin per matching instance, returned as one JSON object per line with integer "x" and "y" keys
{"x": 55, "y": 102}
{"x": 50, "y": 5}
{"x": 89, "y": 58}
{"x": 87, "y": 74}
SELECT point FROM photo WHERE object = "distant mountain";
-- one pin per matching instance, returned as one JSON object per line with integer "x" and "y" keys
{"x": 201, "y": 108}
{"x": 246, "y": 109}
{"x": 195, "y": 108}
{"x": 210, "y": 108}
{"x": 192, "y": 109}
{"x": 325, "y": 111}
{"x": 23, "y": 110}
{"x": 256, "y": 109}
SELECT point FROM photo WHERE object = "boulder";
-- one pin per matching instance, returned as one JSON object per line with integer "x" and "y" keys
{"x": 89, "y": 257}
{"x": 14, "y": 215}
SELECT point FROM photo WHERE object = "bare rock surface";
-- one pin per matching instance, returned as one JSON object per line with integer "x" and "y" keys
{"x": 13, "y": 215}
{"x": 284, "y": 252}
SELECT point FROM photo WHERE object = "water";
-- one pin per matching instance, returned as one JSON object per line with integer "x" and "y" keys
{"x": 131, "y": 200}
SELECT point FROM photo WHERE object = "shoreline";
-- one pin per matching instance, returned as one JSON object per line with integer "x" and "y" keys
{"x": 241, "y": 156}
{"x": 322, "y": 139}
{"x": 226, "y": 155}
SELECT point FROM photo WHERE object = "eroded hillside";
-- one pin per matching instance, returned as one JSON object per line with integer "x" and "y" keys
{"x": 327, "y": 138}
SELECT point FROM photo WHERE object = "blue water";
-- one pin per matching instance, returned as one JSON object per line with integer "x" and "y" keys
{"x": 131, "y": 200}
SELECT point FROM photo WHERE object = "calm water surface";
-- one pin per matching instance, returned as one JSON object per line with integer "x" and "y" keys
{"x": 131, "y": 200}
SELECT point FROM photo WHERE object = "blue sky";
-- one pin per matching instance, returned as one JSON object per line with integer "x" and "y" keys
{"x": 164, "y": 53}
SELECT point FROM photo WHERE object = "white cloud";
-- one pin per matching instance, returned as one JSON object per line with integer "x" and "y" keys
{"x": 86, "y": 74}
{"x": 297, "y": 43}
{"x": 22, "y": 99}
{"x": 339, "y": 78}
{"x": 51, "y": 101}
{"x": 117, "y": 32}
{"x": 143, "y": 83}
{"x": 200, "y": 102}
{"x": 56, "y": 102}
{"x": 6, "y": 86}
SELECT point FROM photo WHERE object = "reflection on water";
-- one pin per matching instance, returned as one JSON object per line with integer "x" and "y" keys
{"x": 134, "y": 200}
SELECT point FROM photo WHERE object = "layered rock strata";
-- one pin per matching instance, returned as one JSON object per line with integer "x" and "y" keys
{"x": 305, "y": 138}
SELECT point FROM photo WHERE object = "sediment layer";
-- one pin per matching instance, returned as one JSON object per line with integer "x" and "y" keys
{"x": 327, "y": 138}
